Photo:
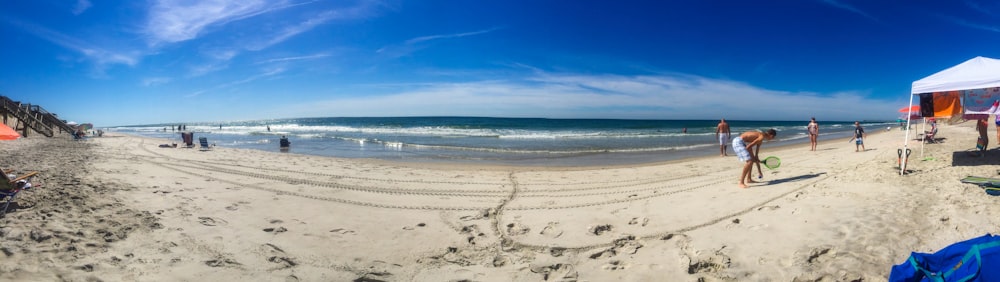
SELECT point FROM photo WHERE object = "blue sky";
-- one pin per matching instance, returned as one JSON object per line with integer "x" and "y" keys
{"x": 142, "y": 62}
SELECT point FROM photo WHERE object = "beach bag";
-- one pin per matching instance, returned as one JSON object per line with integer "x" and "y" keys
{"x": 976, "y": 259}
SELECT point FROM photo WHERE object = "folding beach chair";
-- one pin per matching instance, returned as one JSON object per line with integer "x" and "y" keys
{"x": 204, "y": 143}
{"x": 9, "y": 187}
{"x": 929, "y": 135}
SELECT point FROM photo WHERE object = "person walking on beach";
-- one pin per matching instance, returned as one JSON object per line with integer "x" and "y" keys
{"x": 984, "y": 138}
{"x": 859, "y": 135}
{"x": 722, "y": 134}
{"x": 813, "y": 129}
{"x": 747, "y": 148}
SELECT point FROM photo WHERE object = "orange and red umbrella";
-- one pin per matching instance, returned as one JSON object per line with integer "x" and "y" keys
{"x": 914, "y": 108}
{"x": 7, "y": 133}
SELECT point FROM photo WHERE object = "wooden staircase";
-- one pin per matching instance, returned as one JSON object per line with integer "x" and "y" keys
{"x": 33, "y": 117}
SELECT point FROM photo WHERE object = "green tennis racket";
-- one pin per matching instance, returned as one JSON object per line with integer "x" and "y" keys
{"x": 771, "y": 162}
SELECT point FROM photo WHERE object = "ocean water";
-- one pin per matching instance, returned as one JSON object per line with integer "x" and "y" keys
{"x": 510, "y": 141}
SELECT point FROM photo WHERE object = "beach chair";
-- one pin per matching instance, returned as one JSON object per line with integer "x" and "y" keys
{"x": 929, "y": 135}
{"x": 9, "y": 187}
{"x": 204, "y": 143}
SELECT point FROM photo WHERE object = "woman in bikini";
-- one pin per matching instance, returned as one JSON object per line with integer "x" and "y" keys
{"x": 813, "y": 128}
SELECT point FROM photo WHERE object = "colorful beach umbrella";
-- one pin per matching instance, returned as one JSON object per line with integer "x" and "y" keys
{"x": 914, "y": 108}
{"x": 7, "y": 133}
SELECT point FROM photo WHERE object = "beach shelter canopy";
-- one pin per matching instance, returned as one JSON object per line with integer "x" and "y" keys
{"x": 7, "y": 133}
{"x": 941, "y": 93}
{"x": 976, "y": 73}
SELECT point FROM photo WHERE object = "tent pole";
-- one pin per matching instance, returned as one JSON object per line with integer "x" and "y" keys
{"x": 906, "y": 138}
{"x": 923, "y": 128}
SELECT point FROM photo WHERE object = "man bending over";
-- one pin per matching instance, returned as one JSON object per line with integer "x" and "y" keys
{"x": 747, "y": 147}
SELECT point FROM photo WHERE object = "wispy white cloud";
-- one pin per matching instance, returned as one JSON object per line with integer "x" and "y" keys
{"x": 265, "y": 74}
{"x": 965, "y": 23}
{"x": 214, "y": 59}
{"x": 606, "y": 96}
{"x": 414, "y": 44}
{"x": 977, "y": 7}
{"x": 446, "y": 36}
{"x": 301, "y": 27}
{"x": 101, "y": 57}
{"x": 206, "y": 68}
{"x": 289, "y": 59}
{"x": 154, "y": 81}
{"x": 81, "y": 6}
{"x": 848, "y": 7}
{"x": 177, "y": 20}
{"x": 173, "y": 21}
{"x": 361, "y": 11}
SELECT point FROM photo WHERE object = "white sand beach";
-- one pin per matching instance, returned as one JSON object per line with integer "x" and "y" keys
{"x": 120, "y": 208}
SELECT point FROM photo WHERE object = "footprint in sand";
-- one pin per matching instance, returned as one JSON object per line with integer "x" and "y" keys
{"x": 343, "y": 231}
{"x": 552, "y": 230}
{"x": 285, "y": 262}
{"x": 275, "y": 230}
{"x": 821, "y": 255}
{"x": 411, "y": 227}
{"x": 222, "y": 262}
{"x": 770, "y": 208}
{"x": 271, "y": 249}
{"x": 615, "y": 265}
{"x": 600, "y": 229}
{"x": 516, "y": 228}
{"x": 211, "y": 221}
{"x": 636, "y": 220}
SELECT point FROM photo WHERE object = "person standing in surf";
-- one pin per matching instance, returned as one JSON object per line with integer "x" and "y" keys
{"x": 813, "y": 129}
{"x": 722, "y": 134}
{"x": 747, "y": 148}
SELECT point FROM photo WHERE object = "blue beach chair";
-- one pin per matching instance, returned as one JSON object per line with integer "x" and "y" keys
{"x": 204, "y": 143}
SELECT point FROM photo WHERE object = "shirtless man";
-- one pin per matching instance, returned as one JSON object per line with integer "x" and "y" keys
{"x": 722, "y": 133}
{"x": 747, "y": 147}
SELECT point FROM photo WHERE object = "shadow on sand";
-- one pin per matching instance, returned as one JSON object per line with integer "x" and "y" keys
{"x": 795, "y": 178}
{"x": 973, "y": 158}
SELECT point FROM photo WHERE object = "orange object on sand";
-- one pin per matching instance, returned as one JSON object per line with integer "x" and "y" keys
{"x": 7, "y": 133}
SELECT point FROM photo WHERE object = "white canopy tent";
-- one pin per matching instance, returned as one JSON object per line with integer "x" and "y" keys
{"x": 976, "y": 73}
